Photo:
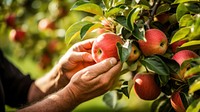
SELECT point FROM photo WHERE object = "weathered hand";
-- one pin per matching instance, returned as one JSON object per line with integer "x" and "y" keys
{"x": 77, "y": 57}
{"x": 94, "y": 80}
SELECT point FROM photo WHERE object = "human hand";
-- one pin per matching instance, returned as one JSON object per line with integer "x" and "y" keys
{"x": 94, "y": 80}
{"x": 76, "y": 58}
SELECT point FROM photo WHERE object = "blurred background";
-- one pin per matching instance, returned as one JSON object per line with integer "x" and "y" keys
{"x": 32, "y": 36}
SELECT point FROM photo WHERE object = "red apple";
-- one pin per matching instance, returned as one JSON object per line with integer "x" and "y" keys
{"x": 174, "y": 46}
{"x": 105, "y": 46}
{"x": 17, "y": 35}
{"x": 176, "y": 102}
{"x": 145, "y": 86}
{"x": 135, "y": 54}
{"x": 10, "y": 20}
{"x": 156, "y": 42}
{"x": 45, "y": 61}
{"x": 45, "y": 24}
{"x": 183, "y": 55}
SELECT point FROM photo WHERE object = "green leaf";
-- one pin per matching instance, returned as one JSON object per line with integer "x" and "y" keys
{"x": 114, "y": 10}
{"x": 192, "y": 45}
{"x": 132, "y": 16}
{"x": 163, "y": 8}
{"x": 73, "y": 31}
{"x": 194, "y": 61}
{"x": 192, "y": 71}
{"x": 194, "y": 107}
{"x": 186, "y": 20}
{"x": 156, "y": 64}
{"x": 180, "y": 11}
{"x": 193, "y": 7}
{"x": 88, "y": 28}
{"x": 195, "y": 86}
{"x": 122, "y": 20}
{"x": 85, "y": 28}
{"x": 124, "y": 50}
{"x": 161, "y": 104}
{"x": 172, "y": 64}
{"x": 163, "y": 79}
{"x": 139, "y": 33}
{"x": 182, "y": 1}
{"x": 87, "y": 7}
{"x": 180, "y": 34}
{"x": 106, "y": 3}
{"x": 110, "y": 98}
{"x": 126, "y": 87}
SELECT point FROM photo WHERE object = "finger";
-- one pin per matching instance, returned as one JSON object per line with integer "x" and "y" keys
{"x": 114, "y": 71}
{"x": 81, "y": 57}
{"x": 93, "y": 71}
{"x": 84, "y": 45}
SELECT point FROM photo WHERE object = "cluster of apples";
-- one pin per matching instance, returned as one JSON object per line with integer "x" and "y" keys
{"x": 16, "y": 34}
{"x": 156, "y": 42}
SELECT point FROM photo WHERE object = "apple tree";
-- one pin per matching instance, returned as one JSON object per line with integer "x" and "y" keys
{"x": 161, "y": 39}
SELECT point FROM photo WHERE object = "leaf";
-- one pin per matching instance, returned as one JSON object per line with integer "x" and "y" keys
{"x": 73, "y": 31}
{"x": 182, "y": 1}
{"x": 126, "y": 87}
{"x": 172, "y": 64}
{"x": 194, "y": 44}
{"x": 114, "y": 10}
{"x": 110, "y": 98}
{"x": 194, "y": 107}
{"x": 156, "y": 64}
{"x": 186, "y": 20}
{"x": 192, "y": 71}
{"x": 163, "y": 79}
{"x": 162, "y": 8}
{"x": 180, "y": 11}
{"x": 139, "y": 33}
{"x": 124, "y": 50}
{"x": 193, "y": 7}
{"x": 87, "y": 7}
{"x": 88, "y": 28}
{"x": 180, "y": 34}
{"x": 122, "y": 20}
{"x": 158, "y": 103}
{"x": 132, "y": 16}
{"x": 195, "y": 86}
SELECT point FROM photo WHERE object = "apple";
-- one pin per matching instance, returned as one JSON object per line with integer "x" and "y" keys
{"x": 174, "y": 46}
{"x": 53, "y": 46}
{"x": 163, "y": 18}
{"x": 176, "y": 102}
{"x": 10, "y": 20}
{"x": 45, "y": 24}
{"x": 17, "y": 35}
{"x": 145, "y": 86}
{"x": 156, "y": 42}
{"x": 105, "y": 46}
{"x": 184, "y": 55}
{"x": 135, "y": 53}
{"x": 44, "y": 61}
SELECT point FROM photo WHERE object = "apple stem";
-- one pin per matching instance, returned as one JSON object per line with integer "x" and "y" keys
{"x": 153, "y": 11}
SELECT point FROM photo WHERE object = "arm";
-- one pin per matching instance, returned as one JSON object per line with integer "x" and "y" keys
{"x": 86, "y": 84}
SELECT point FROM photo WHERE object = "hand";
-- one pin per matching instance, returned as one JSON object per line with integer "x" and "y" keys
{"x": 94, "y": 80}
{"x": 77, "y": 57}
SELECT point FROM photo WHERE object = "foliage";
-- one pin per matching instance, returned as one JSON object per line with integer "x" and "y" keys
{"x": 130, "y": 19}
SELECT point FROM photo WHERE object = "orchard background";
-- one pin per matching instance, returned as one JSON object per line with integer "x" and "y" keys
{"x": 35, "y": 34}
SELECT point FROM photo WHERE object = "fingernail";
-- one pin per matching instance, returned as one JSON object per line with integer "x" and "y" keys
{"x": 113, "y": 61}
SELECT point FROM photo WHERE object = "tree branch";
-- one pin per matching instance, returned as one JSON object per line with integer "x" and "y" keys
{"x": 153, "y": 11}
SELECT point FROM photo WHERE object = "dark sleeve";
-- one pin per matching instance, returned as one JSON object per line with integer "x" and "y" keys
{"x": 16, "y": 85}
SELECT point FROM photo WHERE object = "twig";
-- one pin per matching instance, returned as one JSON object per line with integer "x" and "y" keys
{"x": 154, "y": 8}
